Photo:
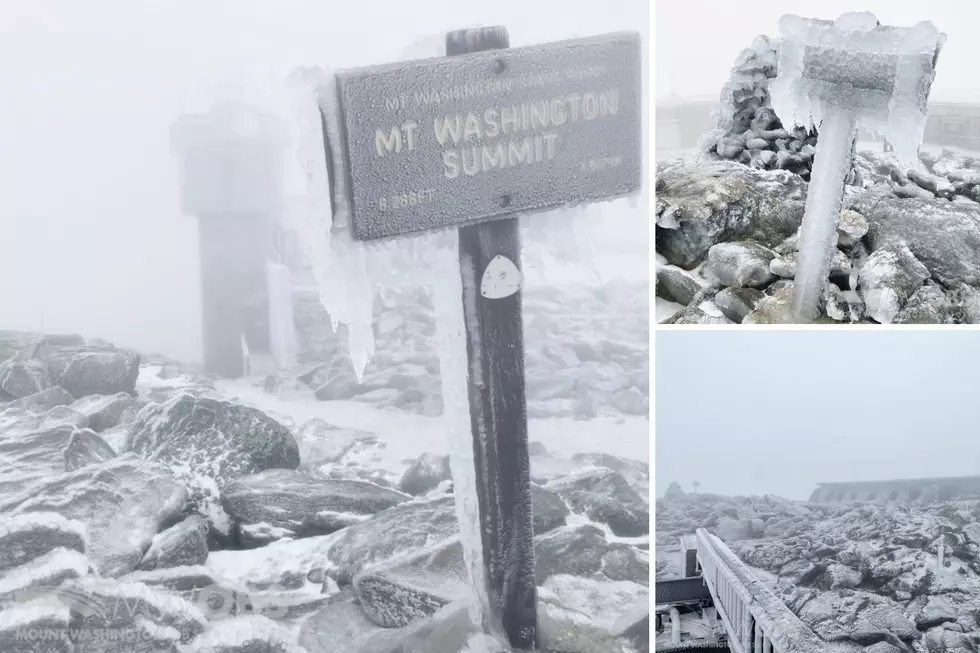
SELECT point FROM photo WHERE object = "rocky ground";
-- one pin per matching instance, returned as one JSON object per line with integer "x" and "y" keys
{"x": 586, "y": 349}
{"x": 144, "y": 507}
{"x": 889, "y": 576}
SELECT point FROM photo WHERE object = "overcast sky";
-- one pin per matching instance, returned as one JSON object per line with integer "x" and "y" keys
{"x": 696, "y": 41}
{"x": 776, "y": 412}
{"x": 91, "y": 235}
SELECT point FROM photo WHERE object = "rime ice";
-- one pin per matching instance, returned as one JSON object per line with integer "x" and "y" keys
{"x": 840, "y": 76}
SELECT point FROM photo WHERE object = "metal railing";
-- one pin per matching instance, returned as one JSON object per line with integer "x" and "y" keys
{"x": 757, "y": 621}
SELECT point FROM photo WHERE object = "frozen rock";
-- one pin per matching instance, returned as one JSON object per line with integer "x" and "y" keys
{"x": 736, "y": 303}
{"x": 401, "y": 592}
{"x": 427, "y": 472}
{"x": 693, "y": 315}
{"x": 45, "y": 400}
{"x": 49, "y": 570}
{"x": 700, "y": 205}
{"x": 122, "y": 503}
{"x": 20, "y": 379}
{"x": 85, "y": 447}
{"x": 851, "y": 228}
{"x": 208, "y": 442}
{"x": 630, "y": 402}
{"x": 320, "y": 442}
{"x": 927, "y": 305}
{"x": 743, "y": 264}
{"x": 785, "y": 265}
{"x": 341, "y": 626}
{"x": 401, "y": 531}
{"x": 606, "y": 497}
{"x": 938, "y": 233}
{"x": 49, "y": 617}
{"x": 31, "y": 453}
{"x": 674, "y": 491}
{"x": 676, "y": 285}
{"x": 105, "y": 412}
{"x": 184, "y": 544}
{"x": 26, "y": 537}
{"x": 297, "y": 505}
{"x": 100, "y": 373}
{"x": 888, "y": 279}
{"x": 244, "y": 634}
{"x": 550, "y": 512}
{"x": 857, "y": 616}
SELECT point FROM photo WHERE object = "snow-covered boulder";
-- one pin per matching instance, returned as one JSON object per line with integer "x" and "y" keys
{"x": 85, "y": 447}
{"x": 122, "y": 503}
{"x": 208, "y": 442}
{"x": 294, "y": 504}
{"x": 607, "y": 497}
{"x": 28, "y": 536}
{"x": 427, "y": 472}
{"x": 183, "y": 544}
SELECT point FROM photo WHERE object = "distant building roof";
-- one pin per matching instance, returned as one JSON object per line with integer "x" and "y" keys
{"x": 940, "y": 480}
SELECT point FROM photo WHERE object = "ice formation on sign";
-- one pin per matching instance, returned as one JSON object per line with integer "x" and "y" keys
{"x": 881, "y": 75}
{"x": 841, "y": 76}
{"x": 348, "y": 273}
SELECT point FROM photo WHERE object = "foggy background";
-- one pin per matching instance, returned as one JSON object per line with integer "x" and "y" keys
{"x": 696, "y": 41}
{"x": 92, "y": 240}
{"x": 776, "y": 412}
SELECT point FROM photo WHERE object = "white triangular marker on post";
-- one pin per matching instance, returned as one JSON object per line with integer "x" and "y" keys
{"x": 500, "y": 279}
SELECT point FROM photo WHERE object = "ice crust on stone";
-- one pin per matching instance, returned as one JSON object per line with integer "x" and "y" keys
{"x": 881, "y": 75}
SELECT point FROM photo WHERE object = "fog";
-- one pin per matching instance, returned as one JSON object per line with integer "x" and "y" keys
{"x": 92, "y": 239}
{"x": 776, "y": 412}
{"x": 696, "y": 41}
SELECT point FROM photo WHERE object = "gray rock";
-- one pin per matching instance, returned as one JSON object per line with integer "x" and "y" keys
{"x": 676, "y": 285}
{"x": 320, "y": 442}
{"x": 630, "y": 402}
{"x": 851, "y": 228}
{"x": 122, "y": 503}
{"x": 605, "y": 496}
{"x": 736, "y": 303}
{"x": 31, "y": 453}
{"x": 927, "y": 305}
{"x": 401, "y": 531}
{"x": 674, "y": 491}
{"x": 785, "y": 265}
{"x": 27, "y": 537}
{"x": 426, "y": 473}
{"x": 105, "y": 412}
{"x": 45, "y": 400}
{"x": 338, "y": 628}
{"x": 857, "y": 616}
{"x": 702, "y": 204}
{"x": 245, "y": 634}
{"x": 888, "y": 279}
{"x": 550, "y": 512}
{"x": 207, "y": 443}
{"x": 575, "y": 550}
{"x": 692, "y": 315}
{"x": 85, "y": 447}
{"x": 942, "y": 235}
{"x": 743, "y": 264}
{"x": 294, "y": 504}
{"x": 401, "y": 592}
{"x": 52, "y": 620}
{"x": 182, "y": 545}
{"x": 19, "y": 379}
{"x": 101, "y": 373}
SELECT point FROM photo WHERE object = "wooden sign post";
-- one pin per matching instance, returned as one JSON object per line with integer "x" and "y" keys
{"x": 471, "y": 141}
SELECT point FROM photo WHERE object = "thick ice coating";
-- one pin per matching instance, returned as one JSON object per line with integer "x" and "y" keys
{"x": 880, "y": 75}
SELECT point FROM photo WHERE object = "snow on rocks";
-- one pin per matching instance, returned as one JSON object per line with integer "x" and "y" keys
{"x": 208, "y": 442}
{"x": 607, "y": 497}
{"x": 295, "y": 504}
{"x": 426, "y": 473}
{"x": 122, "y": 503}
{"x": 25, "y": 537}
{"x": 742, "y": 264}
{"x": 888, "y": 279}
{"x": 247, "y": 634}
{"x": 85, "y": 447}
{"x": 183, "y": 544}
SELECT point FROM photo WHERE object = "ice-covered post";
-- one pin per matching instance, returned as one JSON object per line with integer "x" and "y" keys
{"x": 842, "y": 75}
{"x": 471, "y": 141}
{"x": 230, "y": 176}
